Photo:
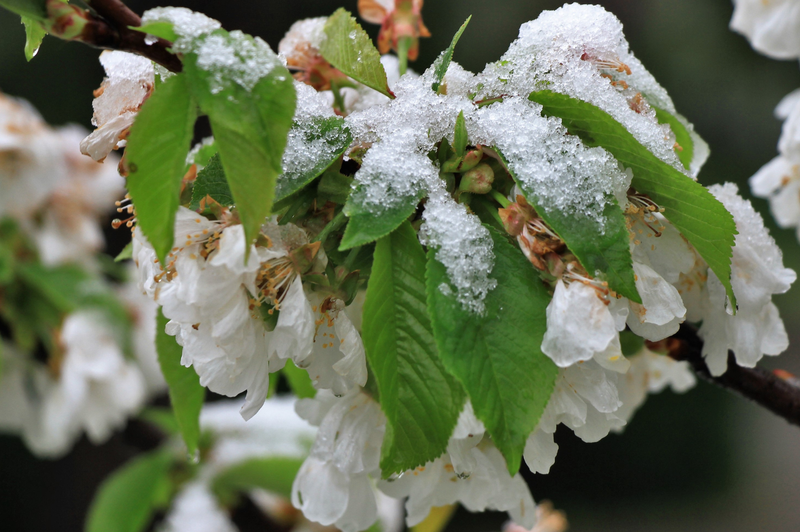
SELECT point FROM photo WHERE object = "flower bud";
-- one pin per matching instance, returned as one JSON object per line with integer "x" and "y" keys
{"x": 478, "y": 180}
{"x": 516, "y": 215}
{"x": 64, "y": 20}
{"x": 470, "y": 160}
{"x": 303, "y": 257}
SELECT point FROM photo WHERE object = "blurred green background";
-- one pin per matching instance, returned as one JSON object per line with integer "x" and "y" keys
{"x": 703, "y": 461}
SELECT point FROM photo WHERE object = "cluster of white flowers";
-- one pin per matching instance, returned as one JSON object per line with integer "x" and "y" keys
{"x": 58, "y": 199}
{"x": 89, "y": 386}
{"x": 214, "y": 301}
{"x": 58, "y": 196}
{"x": 220, "y": 306}
{"x": 773, "y": 29}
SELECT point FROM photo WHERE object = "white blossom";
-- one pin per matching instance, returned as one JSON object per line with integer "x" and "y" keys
{"x": 129, "y": 81}
{"x": 651, "y": 373}
{"x": 275, "y": 432}
{"x": 580, "y": 325}
{"x": 757, "y": 272}
{"x": 208, "y": 304}
{"x": 333, "y": 486}
{"x": 770, "y": 25}
{"x": 142, "y": 311}
{"x": 472, "y": 472}
{"x": 68, "y": 229}
{"x": 90, "y": 387}
{"x": 31, "y": 158}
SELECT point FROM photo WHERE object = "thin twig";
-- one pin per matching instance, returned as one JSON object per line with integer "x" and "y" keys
{"x": 759, "y": 385}
{"x": 110, "y": 30}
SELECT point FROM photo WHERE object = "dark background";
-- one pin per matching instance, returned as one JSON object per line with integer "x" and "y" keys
{"x": 703, "y": 461}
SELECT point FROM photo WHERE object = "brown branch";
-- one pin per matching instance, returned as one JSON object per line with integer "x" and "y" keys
{"x": 110, "y": 30}
{"x": 757, "y": 384}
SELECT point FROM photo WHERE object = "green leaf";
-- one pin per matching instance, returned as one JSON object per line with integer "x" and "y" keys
{"x": 32, "y": 9}
{"x": 128, "y": 498}
{"x": 6, "y": 264}
{"x": 34, "y": 33}
{"x": 201, "y": 156}
{"x": 334, "y": 187}
{"x": 420, "y": 399}
{"x": 299, "y": 381}
{"x": 365, "y": 226}
{"x": 682, "y": 136}
{"x": 126, "y": 253}
{"x": 185, "y": 393}
{"x": 461, "y": 137}
{"x": 163, "y": 29}
{"x": 52, "y": 292}
{"x": 161, "y": 417}
{"x": 250, "y": 122}
{"x": 631, "y": 343}
{"x": 606, "y": 255}
{"x": 687, "y": 204}
{"x": 312, "y": 147}
{"x": 348, "y": 47}
{"x": 211, "y": 181}
{"x": 156, "y": 155}
{"x": 497, "y": 357}
{"x": 274, "y": 474}
{"x": 442, "y": 63}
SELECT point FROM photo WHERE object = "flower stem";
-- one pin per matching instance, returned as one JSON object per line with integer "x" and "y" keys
{"x": 351, "y": 258}
{"x": 338, "y": 100}
{"x": 403, "y": 46}
{"x": 499, "y": 198}
{"x": 332, "y": 226}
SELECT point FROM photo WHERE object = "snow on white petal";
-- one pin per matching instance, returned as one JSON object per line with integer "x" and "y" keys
{"x": 187, "y": 24}
{"x": 569, "y": 50}
{"x": 579, "y": 324}
{"x": 757, "y": 272}
{"x": 235, "y": 58}
{"x": 660, "y": 246}
{"x": 558, "y": 169}
{"x": 129, "y": 80}
{"x": 463, "y": 245}
{"x": 302, "y": 35}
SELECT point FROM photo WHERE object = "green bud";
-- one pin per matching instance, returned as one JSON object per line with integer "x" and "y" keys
{"x": 478, "y": 180}
{"x": 64, "y": 20}
{"x": 303, "y": 257}
{"x": 470, "y": 160}
{"x": 319, "y": 279}
{"x": 451, "y": 165}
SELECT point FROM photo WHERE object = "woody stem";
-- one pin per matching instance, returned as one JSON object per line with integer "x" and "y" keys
{"x": 110, "y": 29}
{"x": 763, "y": 387}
